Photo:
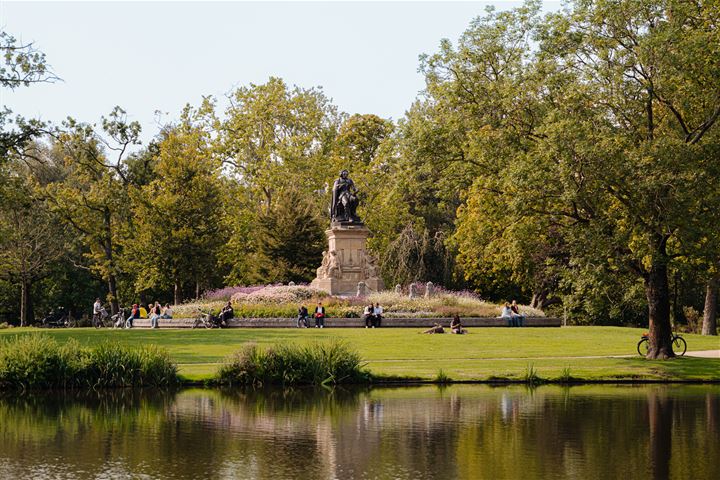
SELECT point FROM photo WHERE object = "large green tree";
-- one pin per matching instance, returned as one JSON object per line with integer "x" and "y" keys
{"x": 602, "y": 127}
{"x": 178, "y": 228}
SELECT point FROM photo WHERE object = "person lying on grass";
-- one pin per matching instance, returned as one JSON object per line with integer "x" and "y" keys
{"x": 436, "y": 329}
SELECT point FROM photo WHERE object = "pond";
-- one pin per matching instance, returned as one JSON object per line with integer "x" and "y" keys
{"x": 429, "y": 432}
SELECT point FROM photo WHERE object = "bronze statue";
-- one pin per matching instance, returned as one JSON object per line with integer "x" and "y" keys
{"x": 344, "y": 200}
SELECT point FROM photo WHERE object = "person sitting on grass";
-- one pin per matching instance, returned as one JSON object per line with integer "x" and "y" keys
{"x": 368, "y": 315}
{"x": 226, "y": 314}
{"x": 437, "y": 328}
{"x": 456, "y": 326}
{"x": 507, "y": 314}
{"x": 302, "y": 320}
{"x": 319, "y": 316}
{"x": 517, "y": 316}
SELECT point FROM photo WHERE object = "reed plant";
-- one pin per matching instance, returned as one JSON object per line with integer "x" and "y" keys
{"x": 321, "y": 363}
{"x": 39, "y": 362}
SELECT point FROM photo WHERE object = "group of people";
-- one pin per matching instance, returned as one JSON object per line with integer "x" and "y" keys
{"x": 455, "y": 327}
{"x": 373, "y": 315}
{"x": 303, "y": 319}
{"x": 512, "y": 314}
{"x": 155, "y": 311}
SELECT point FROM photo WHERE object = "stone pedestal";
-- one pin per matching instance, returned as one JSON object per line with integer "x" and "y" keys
{"x": 346, "y": 262}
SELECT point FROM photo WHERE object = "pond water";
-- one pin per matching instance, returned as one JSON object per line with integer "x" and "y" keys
{"x": 427, "y": 432}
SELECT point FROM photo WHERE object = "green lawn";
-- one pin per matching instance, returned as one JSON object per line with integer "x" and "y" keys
{"x": 484, "y": 354}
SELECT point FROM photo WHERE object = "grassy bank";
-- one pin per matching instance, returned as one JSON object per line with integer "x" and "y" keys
{"x": 39, "y": 362}
{"x": 485, "y": 354}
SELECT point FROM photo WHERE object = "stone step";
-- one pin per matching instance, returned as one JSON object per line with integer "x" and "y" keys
{"x": 389, "y": 322}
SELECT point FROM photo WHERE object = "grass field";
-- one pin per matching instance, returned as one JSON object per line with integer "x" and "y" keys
{"x": 486, "y": 353}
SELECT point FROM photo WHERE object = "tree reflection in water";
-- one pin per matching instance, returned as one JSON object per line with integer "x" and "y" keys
{"x": 424, "y": 432}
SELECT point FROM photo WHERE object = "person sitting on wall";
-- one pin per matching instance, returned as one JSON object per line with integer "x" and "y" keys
{"x": 134, "y": 313}
{"x": 517, "y": 316}
{"x": 378, "y": 312}
{"x": 507, "y": 314}
{"x": 456, "y": 326}
{"x": 226, "y": 314}
{"x": 143, "y": 311}
{"x": 368, "y": 315}
{"x": 302, "y": 320}
{"x": 167, "y": 312}
{"x": 319, "y": 316}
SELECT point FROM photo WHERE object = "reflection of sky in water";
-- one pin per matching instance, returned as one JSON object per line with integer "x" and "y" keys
{"x": 414, "y": 433}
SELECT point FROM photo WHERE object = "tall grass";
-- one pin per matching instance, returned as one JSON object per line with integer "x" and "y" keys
{"x": 289, "y": 364}
{"x": 39, "y": 362}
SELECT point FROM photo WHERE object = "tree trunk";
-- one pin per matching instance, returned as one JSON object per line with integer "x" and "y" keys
{"x": 197, "y": 290}
{"x": 178, "y": 294}
{"x": 107, "y": 245}
{"x": 658, "y": 297}
{"x": 709, "y": 325}
{"x": 112, "y": 289}
{"x": 27, "y": 314}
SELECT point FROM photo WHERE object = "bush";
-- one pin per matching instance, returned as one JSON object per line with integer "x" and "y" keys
{"x": 280, "y": 294}
{"x": 289, "y": 364}
{"x": 4, "y": 325}
{"x": 39, "y": 362}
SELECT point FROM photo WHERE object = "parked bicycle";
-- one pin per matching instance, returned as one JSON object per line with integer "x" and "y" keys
{"x": 207, "y": 320}
{"x": 678, "y": 343}
{"x": 55, "y": 319}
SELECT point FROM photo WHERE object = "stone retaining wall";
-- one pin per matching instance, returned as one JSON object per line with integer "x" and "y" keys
{"x": 356, "y": 322}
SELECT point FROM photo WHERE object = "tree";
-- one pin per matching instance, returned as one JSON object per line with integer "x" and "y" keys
{"x": 178, "y": 229}
{"x": 602, "y": 129}
{"x": 275, "y": 137}
{"x": 93, "y": 196}
{"x": 21, "y": 65}
{"x": 289, "y": 240}
{"x": 31, "y": 239}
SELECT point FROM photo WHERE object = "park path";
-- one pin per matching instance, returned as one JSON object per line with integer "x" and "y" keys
{"x": 704, "y": 354}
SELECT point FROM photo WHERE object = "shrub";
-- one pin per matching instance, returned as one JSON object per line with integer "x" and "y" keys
{"x": 39, "y": 362}
{"x": 280, "y": 294}
{"x": 4, "y": 325}
{"x": 289, "y": 364}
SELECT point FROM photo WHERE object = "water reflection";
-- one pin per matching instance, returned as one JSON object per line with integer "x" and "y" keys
{"x": 426, "y": 432}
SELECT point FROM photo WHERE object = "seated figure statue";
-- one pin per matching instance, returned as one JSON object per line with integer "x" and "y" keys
{"x": 344, "y": 200}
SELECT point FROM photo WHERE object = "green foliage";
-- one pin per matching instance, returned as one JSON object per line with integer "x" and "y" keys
{"x": 329, "y": 363}
{"x": 289, "y": 240}
{"x": 178, "y": 229}
{"x": 39, "y": 362}
{"x": 442, "y": 377}
{"x": 531, "y": 376}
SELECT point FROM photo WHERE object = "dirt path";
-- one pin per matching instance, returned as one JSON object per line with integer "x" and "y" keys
{"x": 704, "y": 354}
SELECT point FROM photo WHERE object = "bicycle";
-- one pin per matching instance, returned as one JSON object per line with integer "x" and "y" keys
{"x": 207, "y": 320}
{"x": 102, "y": 319}
{"x": 678, "y": 343}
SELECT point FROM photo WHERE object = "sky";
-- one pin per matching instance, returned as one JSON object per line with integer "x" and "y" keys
{"x": 148, "y": 57}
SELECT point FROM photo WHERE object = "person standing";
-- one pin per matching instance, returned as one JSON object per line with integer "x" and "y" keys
{"x": 319, "y": 316}
{"x": 97, "y": 311}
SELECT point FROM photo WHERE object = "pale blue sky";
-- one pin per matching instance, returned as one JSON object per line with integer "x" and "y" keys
{"x": 159, "y": 56}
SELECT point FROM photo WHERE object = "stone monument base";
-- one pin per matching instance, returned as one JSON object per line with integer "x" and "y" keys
{"x": 347, "y": 263}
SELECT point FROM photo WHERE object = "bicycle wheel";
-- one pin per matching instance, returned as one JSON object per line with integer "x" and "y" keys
{"x": 643, "y": 346}
{"x": 679, "y": 345}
